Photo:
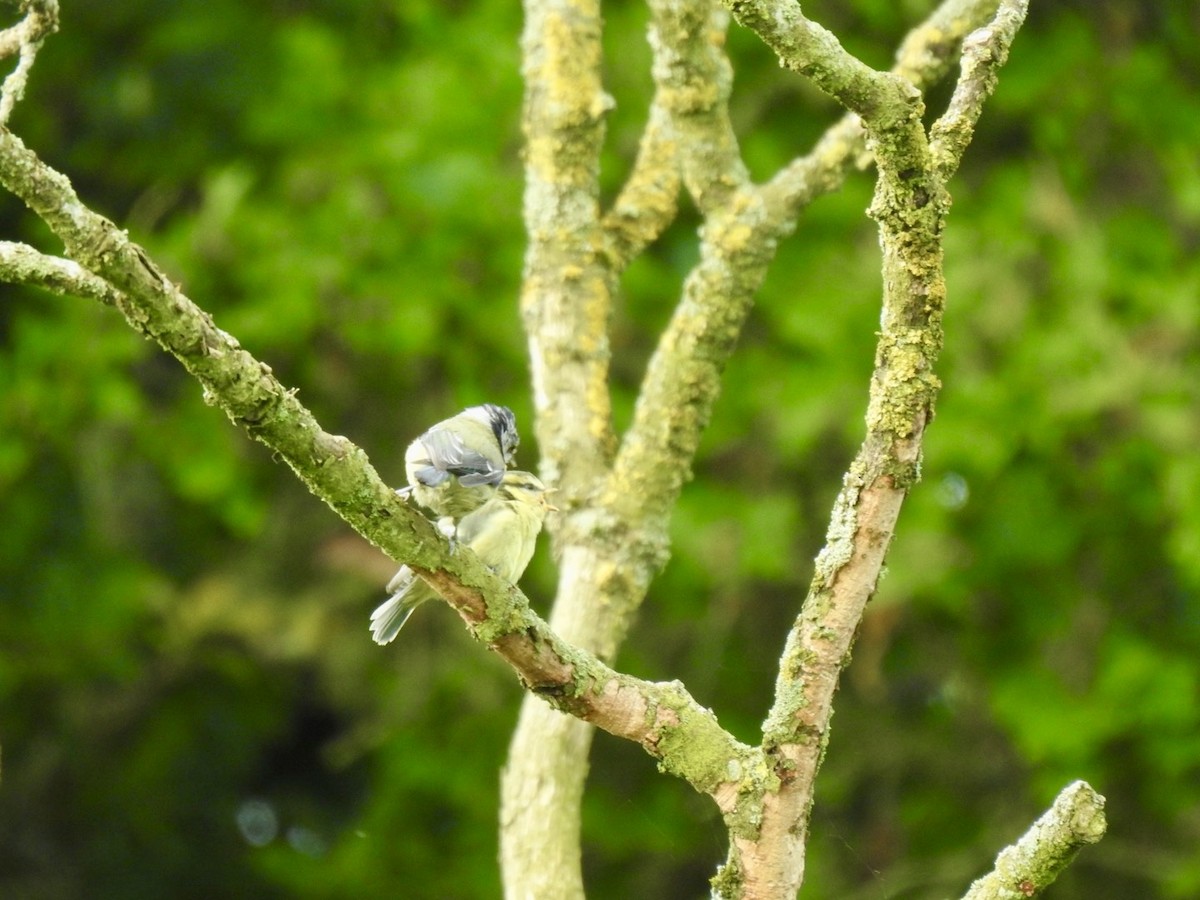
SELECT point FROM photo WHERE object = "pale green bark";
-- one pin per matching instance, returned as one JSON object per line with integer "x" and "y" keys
{"x": 1033, "y": 863}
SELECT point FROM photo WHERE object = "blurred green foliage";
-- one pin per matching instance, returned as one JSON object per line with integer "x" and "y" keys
{"x": 189, "y": 702}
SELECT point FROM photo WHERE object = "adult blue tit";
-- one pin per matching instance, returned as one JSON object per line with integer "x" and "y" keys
{"x": 456, "y": 465}
{"x": 502, "y": 533}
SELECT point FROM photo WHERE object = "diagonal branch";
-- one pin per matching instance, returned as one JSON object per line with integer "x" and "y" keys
{"x": 929, "y": 51}
{"x": 1025, "y": 869}
{"x": 648, "y": 202}
{"x": 25, "y": 39}
{"x": 678, "y": 392}
{"x": 984, "y": 52}
{"x": 332, "y": 467}
{"x": 683, "y": 377}
{"x": 663, "y": 718}
{"x": 688, "y": 128}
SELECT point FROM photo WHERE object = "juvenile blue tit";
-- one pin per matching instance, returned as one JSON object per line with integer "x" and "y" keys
{"x": 502, "y": 533}
{"x": 456, "y": 465}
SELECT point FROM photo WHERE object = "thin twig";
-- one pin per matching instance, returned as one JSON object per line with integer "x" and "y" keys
{"x": 925, "y": 57}
{"x": 648, "y": 201}
{"x": 984, "y": 52}
{"x": 25, "y": 38}
{"x": 22, "y": 264}
{"x": 881, "y": 99}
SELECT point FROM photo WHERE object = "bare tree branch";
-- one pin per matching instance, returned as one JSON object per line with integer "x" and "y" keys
{"x": 821, "y": 171}
{"x": 910, "y": 205}
{"x": 688, "y": 127}
{"x": 929, "y": 51}
{"x": 881, "y": 99}
{"x": 615, "y": 543}
{"x": 984, "y": 52}
{"x": 663, "y": 718}
{"x": 566, "y": 290}
{"x": 22, "y": 264}
{"x": 925, "y": 57}
{"x": 1026, "y": 868}
{"x": 566, "y": 302}
{"x": 25, "y": 39}
{"x": 648, "y": 202}
{"x": 695, "y": 80}
{"x": 332, "y": 467}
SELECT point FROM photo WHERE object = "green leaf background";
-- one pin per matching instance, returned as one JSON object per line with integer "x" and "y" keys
{"x": 190, "y": 705}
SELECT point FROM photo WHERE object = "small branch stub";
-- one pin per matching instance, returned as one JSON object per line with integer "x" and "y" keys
{"x": 1027, "y": 867}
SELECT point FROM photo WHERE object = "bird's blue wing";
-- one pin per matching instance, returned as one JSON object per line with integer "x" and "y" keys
{"x": 449, "y": 455}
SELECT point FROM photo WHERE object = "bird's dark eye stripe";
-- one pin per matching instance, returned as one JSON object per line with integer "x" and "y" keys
{"x": 502, "y": 420}
{"x": 512, "y": 487}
